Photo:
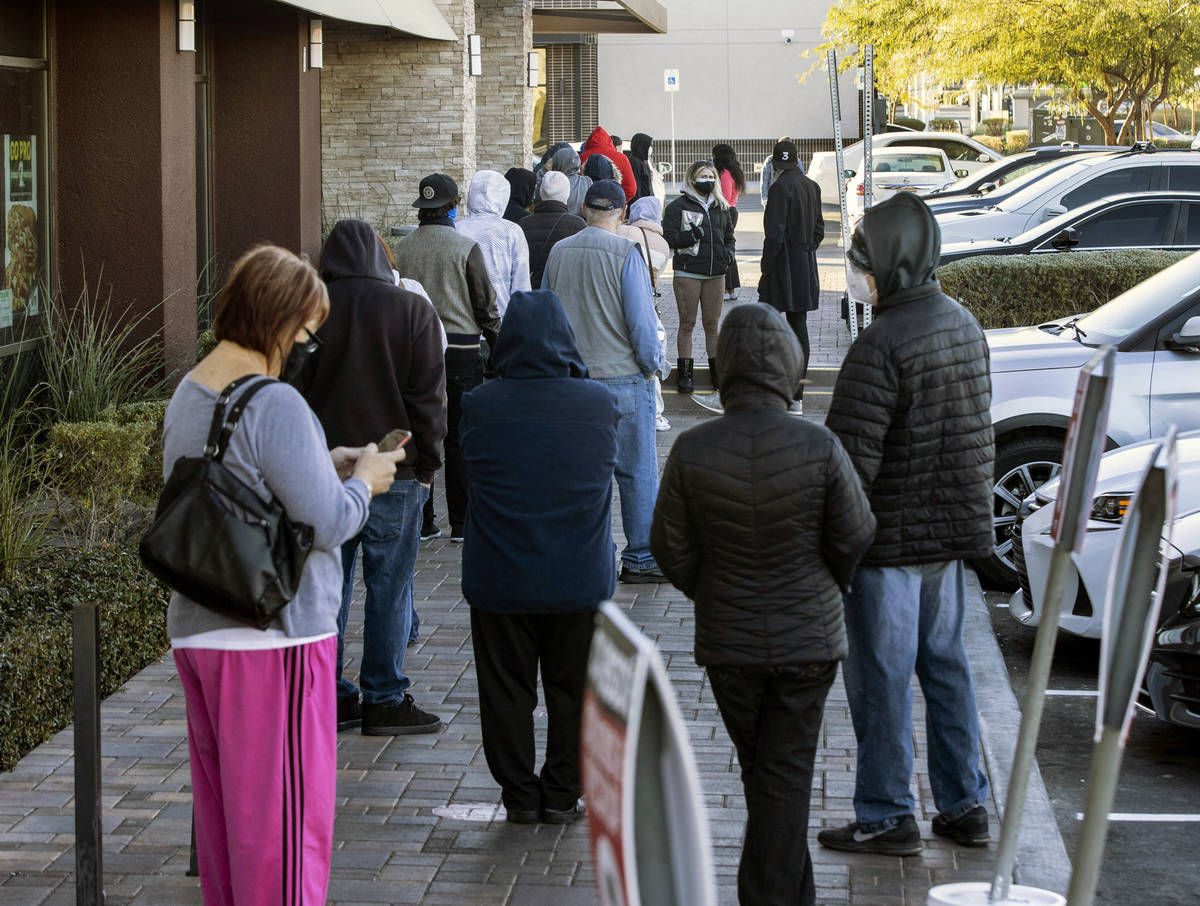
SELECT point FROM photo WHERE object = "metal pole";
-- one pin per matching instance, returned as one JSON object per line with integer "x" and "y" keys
{"x": 840, "y": 162}
{"x": 674, "y": 172}
{"x": 89, "y": 863}
{"x": 868, "y": 133}
{"x": 1101, "y": 788}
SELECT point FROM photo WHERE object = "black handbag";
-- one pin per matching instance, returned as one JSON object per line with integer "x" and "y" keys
{"x": 215, "y": 541}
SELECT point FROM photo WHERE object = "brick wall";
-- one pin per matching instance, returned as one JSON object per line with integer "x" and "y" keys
{"x": 396, "y": 108}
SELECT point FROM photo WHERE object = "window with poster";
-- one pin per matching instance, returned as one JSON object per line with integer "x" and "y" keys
{"x": 25, "y": 238}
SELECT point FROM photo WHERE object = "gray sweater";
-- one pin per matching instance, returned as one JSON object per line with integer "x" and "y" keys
{"x": 278, "y": 448}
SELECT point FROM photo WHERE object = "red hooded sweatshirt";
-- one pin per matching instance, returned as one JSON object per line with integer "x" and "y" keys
{"x": 600, "y": 143}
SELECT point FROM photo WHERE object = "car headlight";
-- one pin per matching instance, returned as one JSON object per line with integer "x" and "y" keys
{"x": 1111, "y": 507}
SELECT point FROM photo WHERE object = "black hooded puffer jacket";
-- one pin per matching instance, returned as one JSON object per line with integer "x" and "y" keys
{"x": 912, "y": 401}
{"x": 760, "y": 518}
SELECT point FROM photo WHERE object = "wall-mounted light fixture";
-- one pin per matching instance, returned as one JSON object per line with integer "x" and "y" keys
{"x": 475, "y": 50}
{"x": 316, "y": 44}
{"x": 187, "y": 26}
{"x": 532, "y": 81}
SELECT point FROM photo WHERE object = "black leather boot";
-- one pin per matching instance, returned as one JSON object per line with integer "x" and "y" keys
{"x": 684, "y": 382}
{"x": 712, "y": 373}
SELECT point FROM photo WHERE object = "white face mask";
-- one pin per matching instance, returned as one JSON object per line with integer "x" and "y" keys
{"x": 857, "y": 286}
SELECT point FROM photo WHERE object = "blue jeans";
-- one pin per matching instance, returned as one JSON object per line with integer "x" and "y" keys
{"x": 898, "y": 619}
{"x": 389, "y": 544}
{"x": 637, "y": 465}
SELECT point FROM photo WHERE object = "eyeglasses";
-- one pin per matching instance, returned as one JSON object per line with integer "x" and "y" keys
{"x": 314, "y": 342}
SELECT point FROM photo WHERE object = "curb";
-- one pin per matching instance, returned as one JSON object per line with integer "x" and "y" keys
{"x": 1042, "y": 859}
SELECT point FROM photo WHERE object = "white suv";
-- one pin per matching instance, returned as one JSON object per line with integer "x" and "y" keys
{"x": 1079, "y": 183}
{"x": 964, "y": 154}
{"x": 1156, "y": 329}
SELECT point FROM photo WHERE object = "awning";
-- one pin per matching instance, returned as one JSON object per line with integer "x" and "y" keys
{"x": 645, "y": 17}
{"x": 414, "y": 17}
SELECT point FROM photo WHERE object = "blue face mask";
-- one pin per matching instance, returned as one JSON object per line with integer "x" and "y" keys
{"x": 453, "y": 214}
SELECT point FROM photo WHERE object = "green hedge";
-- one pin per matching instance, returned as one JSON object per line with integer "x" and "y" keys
{"x": 995, "y": 125}
{"x": 991, "y": 141}
{"x": 911, "y": 122}
{"x": 35, "y": 638}
{"x": 205, "y": 344}
{"x": 99, "y": 462}
{"x": 1020, "y": 290}
{"x": 149, "y": 413}
{"x": 1016, "y": 141}
{"x": 944, "y": 125}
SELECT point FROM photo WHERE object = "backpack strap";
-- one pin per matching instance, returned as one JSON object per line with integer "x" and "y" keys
{"x": 550, "y": 235}
{"x": 223, "y": 425}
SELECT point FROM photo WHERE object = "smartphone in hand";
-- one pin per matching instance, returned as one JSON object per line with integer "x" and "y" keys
{"x": 394, "y": 439}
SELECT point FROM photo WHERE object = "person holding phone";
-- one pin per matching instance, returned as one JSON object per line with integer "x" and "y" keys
{"x": 380, "y": 368}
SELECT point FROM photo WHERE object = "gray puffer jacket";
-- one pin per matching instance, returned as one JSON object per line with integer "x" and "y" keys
{"x": 760, "y": 518}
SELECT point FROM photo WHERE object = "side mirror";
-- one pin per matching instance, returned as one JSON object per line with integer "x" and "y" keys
{"x": 1187, "y": 339}
{"x": 848, "y": 174}
{"x": 987, "y": 187}
{"x": 985, "y": 158}
{"x": 1053, "y": 210}
{"x": 962, "y": 174}
{"x": 1066, "y": 240}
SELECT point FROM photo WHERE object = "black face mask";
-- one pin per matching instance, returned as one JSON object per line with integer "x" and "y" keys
{"x": 705, "y": 186}
{"x": 296, "y": 359}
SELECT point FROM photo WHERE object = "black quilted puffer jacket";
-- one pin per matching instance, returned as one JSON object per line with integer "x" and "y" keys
{"x": 911, "y": 402}
{"x": 760, "y": 518}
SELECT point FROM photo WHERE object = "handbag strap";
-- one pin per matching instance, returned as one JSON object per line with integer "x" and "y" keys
{"x": 550, "y": 235}
{"x": 223, "y": 423}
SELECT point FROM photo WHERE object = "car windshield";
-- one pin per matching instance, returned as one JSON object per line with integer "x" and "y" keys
{"x": 909, "y": 163}
{"x": 1031, "y": 188}
{"x": 1133, "y": 309}
{"x": 979, "y": 177}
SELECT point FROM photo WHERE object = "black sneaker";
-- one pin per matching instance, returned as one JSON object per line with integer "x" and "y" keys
{"x": 649, "y": 575}
{"x": 564, "y": 815}
{"x": 456, "y": 535}
{"x": 522, "y": 815}
{"x": 429, "y": 532}
{"x": 969, "y": 830}
{"x": 401, "y": 719}
{"x": 349, "y": 713}
{"x": 902, "y": 840}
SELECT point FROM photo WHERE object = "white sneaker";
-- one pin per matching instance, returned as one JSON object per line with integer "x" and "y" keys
{"x": 661, "y": 424}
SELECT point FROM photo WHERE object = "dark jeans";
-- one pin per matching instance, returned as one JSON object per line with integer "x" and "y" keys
{"x": 464, "y": 372}
{"x": 508, "y": 651}
{"x": 798, "y": 321}
{"x": 773, "y": 715}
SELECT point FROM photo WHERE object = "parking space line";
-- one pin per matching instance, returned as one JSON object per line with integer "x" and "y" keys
{"x": 1148, "y": 817}
{"x": 1082, "y": 693}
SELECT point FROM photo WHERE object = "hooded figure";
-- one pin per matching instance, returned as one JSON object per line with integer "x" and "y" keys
{"x": 600, "y": 166}
{"x": 566, "y": 161}
{"x": 503, "y": 244}
{"x": 522, "y": 183}
{"x": 600, "y": 143}
{"x": 541, "y": 446}
{"x": 639, "y": 162}
{"x": 549, "y": 222}
{"x": 911, "y": 406}
{"x": 761, "y": 520}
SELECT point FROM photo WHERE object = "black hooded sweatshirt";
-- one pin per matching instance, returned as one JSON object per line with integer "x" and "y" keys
{"x": 760, "y": 518}
{"x": 522, "y": 183}
{"x": 912, "y": 400}
{"x": 380, "y": 364}
{"x": 639, "y": 160}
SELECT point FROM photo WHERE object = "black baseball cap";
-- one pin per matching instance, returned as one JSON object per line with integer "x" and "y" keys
{"x": 436, "y": 190}
{"x": 784, "y": 155}
{"x": 605, "y": 195}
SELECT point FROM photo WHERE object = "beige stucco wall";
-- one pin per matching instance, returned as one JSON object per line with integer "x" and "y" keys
{"x": 738, "y": 79}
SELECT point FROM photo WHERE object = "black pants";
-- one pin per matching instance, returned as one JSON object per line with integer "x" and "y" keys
{"x": 733, "y": 279}
{"x": 464, "y": 372}
{"x": 508, "y": 651}
{"x": 773, "y": 715}
{"x": 798, "y": 321}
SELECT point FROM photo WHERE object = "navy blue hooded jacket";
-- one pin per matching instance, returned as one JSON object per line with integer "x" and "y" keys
{"x": 540, "y": 446}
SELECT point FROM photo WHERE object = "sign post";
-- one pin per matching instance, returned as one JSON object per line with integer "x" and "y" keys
{"x": 89, "y": 841}
{"x": 840, "y": 163}
{"x": 1135, "y": 587}
{"x": 646, "y": 815}
{"x": 868, "y": 95}
{"x": 671, "y": 87}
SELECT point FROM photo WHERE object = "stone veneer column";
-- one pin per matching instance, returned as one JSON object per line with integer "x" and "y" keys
{"x": 394, "y": 108}
{"x": 504, "y": 111}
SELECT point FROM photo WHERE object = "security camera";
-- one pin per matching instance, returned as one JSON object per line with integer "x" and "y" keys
{"x": 787, "y": 40}
{"x": 787, "y": 34}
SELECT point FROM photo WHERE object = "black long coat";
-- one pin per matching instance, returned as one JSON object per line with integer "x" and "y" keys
{"x": 793, "y": 229}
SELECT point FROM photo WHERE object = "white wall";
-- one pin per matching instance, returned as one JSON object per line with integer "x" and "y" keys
{"x": 738, "y": 79}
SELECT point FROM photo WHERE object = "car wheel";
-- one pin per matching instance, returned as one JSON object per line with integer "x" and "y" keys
{"x": 1022, "y": 466}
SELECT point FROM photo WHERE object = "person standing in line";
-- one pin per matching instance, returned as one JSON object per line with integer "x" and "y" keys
{"x": 760, "y": 521}
{"x": 566, "y": 161}
{"x": 793, "y": 229}
{"x": 618, "y": 143}
{"x": 603, "y": 285}
{"x": 501, "y": 241}
{"x": 262, "y": 745}
{"x": 640, "y": 149}
{"x": 768, "y": 173}
{"x": 911, "y": 405}
{"x": 398, "y": 381}
{"x": 698, "y": 227}
{"x": 549, "y": 222}
{"x": 599, "y": 142}
{"x": 644, "y": 226}
{"x": 733, "y": 183}
{"x": 540, "y": 445}
{"x": 521, "y": 183}
{"x": 452, "y": 269}
{"x": 601, "y": 166}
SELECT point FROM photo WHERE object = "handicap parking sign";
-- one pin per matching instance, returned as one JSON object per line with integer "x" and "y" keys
{"x": 670, "y": 80}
